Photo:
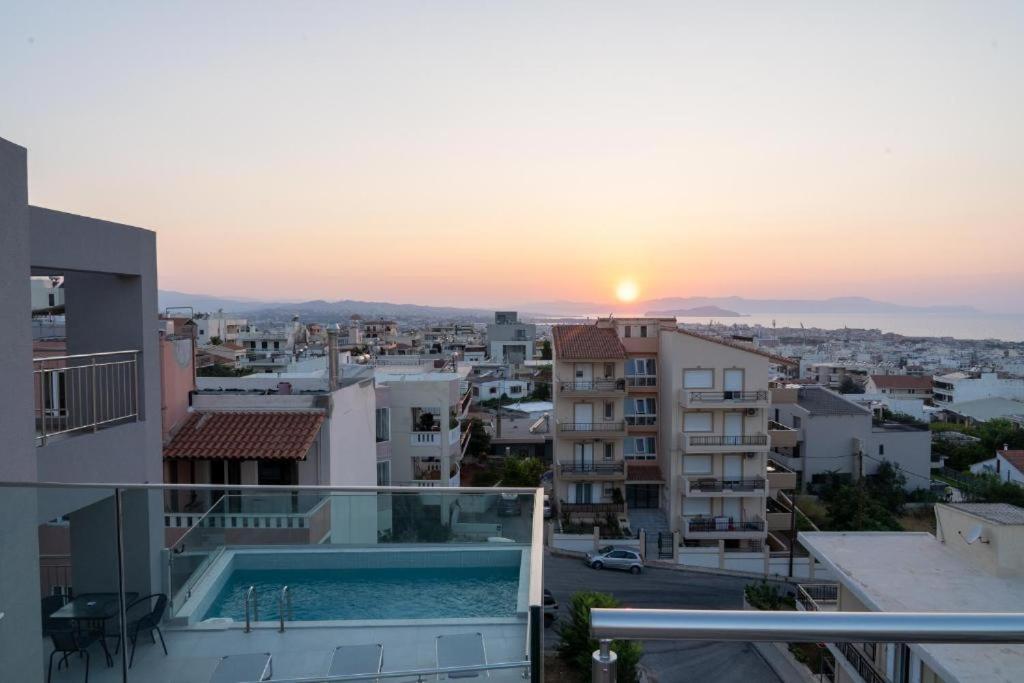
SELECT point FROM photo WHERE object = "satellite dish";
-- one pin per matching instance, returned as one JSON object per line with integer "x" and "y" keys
{"x": 973, "y": 535}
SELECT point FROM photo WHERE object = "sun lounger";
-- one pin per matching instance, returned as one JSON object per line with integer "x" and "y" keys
{"x": 461, "y": 649}
{"x": 357, "y": 659}
{"x": 243, "y": 669}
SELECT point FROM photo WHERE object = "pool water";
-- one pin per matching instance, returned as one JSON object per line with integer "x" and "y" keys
{"x": 399, "y": 593}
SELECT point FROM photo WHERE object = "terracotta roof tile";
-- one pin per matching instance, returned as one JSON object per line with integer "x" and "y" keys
{"x": 586, "y": 342}
{"x": 1015, "y": 458}
{"x": 245, "y": 435}
{"x": 780, "y": 360}
{"x": 901, "y": 382}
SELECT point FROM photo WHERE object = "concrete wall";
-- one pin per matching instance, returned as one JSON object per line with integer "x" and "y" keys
{"x": 1002, "y": 555}
{"x": 352, "y": 441}
{"x": 910, "y": 449}
{"x": 177, "y": 363}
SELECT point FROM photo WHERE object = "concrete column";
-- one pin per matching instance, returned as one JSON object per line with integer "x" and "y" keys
{"x": 643, "y": 545}
{"x": 675, "y": 547}
{"x": 597, "y": 538}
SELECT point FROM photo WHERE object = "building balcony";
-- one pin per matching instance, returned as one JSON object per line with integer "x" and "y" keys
{"x": 726, "y": 528}
{"x": 780, "y": 477}
{"x": 642, "y": 423}
{"x": 592, "y": 509}
{"x": 782, "y": 436}
{"x": 700, "y": 398}
{"x": 83, "y": 393}
{"x": 642, "y": 383}
{"x": 591, "y": 470}
{"x": 591, "y": 430}
{"x": 609, "y": 386}
{"x": 720, "y": 443}
{"x": 715, "y": 487}
{"x": 817, "y": 597}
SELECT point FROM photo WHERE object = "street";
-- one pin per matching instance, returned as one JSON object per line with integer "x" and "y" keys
{"x": 666, "y": 661}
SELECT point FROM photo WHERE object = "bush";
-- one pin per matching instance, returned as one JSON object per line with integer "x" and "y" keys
{"x": 576, "y": 647}
{"x": 767, "y": 596}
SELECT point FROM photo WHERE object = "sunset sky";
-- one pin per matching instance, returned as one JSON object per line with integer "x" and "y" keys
{"x": 479, "y": 153}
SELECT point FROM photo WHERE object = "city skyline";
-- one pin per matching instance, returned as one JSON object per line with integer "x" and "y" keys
{"x": 473, "y": 154}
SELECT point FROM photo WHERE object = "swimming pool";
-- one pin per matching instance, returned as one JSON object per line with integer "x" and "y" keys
{"x": 398, "y": 593}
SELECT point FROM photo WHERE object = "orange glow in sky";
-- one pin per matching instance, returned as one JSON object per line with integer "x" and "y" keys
{"x": 626, "y": 291}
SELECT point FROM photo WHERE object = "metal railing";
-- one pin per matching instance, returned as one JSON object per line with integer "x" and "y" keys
{"x": 420, "y": 675}
{"x": 864, "y": 667}
{"x": 735, "y": 396}
{"x": 604, "y": 384}
{"x": 592, "y": 468}
{"x": 813, "y": 596}
{"x": 713, "y": 485}
{"x": 641, "y": 420}
{"x": 794, "y": 627}
{"x": 779, "y": 427}
{"x": 251, "y": 596}
{"x": 84, "y": 392}
{"x": 593, "y": 508}
{"x": 638, "y": 381}
{"x": 711, "y": 524}
{"x": 284, "y": 600}
{"x": 591, "y": 426}
{"x": 723, "y": 440}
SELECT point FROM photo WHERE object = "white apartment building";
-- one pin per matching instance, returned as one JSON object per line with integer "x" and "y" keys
{"x": 224, "y": 327}
{"x": 958, "y": 387}
{"x": 975, "y": 563}
{"x": 510, "y": 341}
{"x": 900, "y": 387}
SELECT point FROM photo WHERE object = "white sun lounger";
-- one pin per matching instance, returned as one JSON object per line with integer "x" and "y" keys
{"x": 357, "y": 659}
{"x": 243, "y": 669}
{"x": 461, "y": 649}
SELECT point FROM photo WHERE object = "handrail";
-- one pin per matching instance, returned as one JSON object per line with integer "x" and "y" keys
{"x": 283, "y": 598}
{"x": 86, "y": 355}
{"x": 807, "y": 627}
{"x": 263, "y": 488}
{"x": 251, "y": 593}
{"x": 197, "y": 523}
{"x": 420, "y": 674}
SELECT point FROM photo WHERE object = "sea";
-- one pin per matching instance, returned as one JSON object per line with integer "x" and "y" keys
{"x": 1004, "y": 327}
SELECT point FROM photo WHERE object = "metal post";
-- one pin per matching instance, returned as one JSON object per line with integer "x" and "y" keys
{"x": 95, "y": 408}
{"x": 604, "y": 663}
{"x": 283, "y": 597}
{"x": 121, "y": 607}
{"x": 42, "y": 403}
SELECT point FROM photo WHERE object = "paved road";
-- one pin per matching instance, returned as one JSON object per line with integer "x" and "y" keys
{"x": 668, "y": 662}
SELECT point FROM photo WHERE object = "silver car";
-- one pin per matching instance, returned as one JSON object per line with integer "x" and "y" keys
{"x": 616, "y": 558}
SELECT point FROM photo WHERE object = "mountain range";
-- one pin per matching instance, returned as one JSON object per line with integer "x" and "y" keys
{"x": 713, "y": 307}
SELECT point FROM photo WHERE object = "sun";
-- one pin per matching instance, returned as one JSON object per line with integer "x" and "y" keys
{"x": 626, "y": 291}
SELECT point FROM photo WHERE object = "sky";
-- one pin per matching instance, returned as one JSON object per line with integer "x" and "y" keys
{"x": 497, "y": 153}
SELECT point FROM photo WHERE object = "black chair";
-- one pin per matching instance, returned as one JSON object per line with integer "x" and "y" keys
{"x": 67, "y": 642}
{"x": 142, "y": 619}
{"x": 49, "y": 605}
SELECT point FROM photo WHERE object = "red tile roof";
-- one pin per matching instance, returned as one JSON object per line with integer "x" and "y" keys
{"x": 901, "y": 382}
{"x": 779, "y": 360}
{"x": 1015, "y": 458}
{"x": 643, "y": 471}
{"x": 245, "y": 436}
{"x": 586, "y": 342}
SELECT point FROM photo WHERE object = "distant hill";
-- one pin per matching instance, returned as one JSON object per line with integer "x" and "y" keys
{"x": 698, "y": 312}
{"x": 739, "y": 306}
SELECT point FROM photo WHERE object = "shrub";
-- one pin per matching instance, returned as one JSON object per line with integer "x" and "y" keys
{"x": 767, "y": 596}
{"x": 576, "y": 647}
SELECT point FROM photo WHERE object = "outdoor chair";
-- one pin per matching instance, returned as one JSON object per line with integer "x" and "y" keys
{"x": 350, "y": 660}
{"x": 67, "y": 642}
{"x": 49, "y": 605}
{"x": 243, "y": 668}
{"x": 462, "y": 649}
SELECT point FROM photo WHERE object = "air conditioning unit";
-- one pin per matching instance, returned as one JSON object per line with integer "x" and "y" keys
{"x": 749, "y": 455}
{"x": 751, "y": 411}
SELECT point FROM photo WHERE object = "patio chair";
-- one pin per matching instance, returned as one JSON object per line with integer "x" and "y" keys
{"x": 49, "y": 605}
{"x": 461, "y": 649}
{"x": 144, "y": 616}
{"x": 243, "y": 668}
{"x": 67, "y": 642}
{"x": 349, "y": 660}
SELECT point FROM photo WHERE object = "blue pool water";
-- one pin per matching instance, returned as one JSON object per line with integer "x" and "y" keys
{"x": 328, "y": 594}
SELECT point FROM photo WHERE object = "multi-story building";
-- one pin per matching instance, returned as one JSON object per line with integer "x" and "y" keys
{"x": 832, "y": 375}
{"x": 900, "y": 387}
{"x": 88, "y": 414}
{"x": 958, "y": 387}
{"x": 973, "y": 564}
{"x": 509, "y": 340}
{"x": 220, "y": 326}
{"x": 815, "y": 431}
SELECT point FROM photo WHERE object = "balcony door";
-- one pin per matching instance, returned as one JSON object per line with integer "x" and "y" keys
{"x": 583, "y": 456}
{"x": 583, "y": 416}
{"x": 732, "y": 467}
{"x": 733, "y": 428}
{"x": 732, "y": 507}
{"x": 732, "y": 382}
{"x": 584, "y": 375}
{"x": 581, "y": 493}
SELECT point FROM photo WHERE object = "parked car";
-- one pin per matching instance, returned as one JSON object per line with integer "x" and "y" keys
{"x": 547, "y": 506}
{"x": 550, "y": 608}
{"x": 616, "y": 558}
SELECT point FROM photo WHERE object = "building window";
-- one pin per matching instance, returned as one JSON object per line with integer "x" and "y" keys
{"x": 881, "y": 449}
{"x": 515, "y": 389}
{"x": 609, "y": 410}
{"x": 384, "y": 473}
{"x": 609, "y": 451}
{"x": 628, "y": 331}
{"x": 383, "y": 424}
{"x": 698, "y": 379}
{"x": 697, "y": 422}
{"x": 643, "y": 330}
{"x": 797, "y": 422}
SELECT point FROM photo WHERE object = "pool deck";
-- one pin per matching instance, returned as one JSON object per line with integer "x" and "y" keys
{"x": 298, "y": 652}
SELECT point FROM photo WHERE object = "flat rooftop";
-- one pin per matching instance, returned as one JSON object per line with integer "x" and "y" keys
{"x": 914, "y": 572}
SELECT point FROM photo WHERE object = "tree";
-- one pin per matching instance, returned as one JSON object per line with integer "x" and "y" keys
{"x": 215, "y": 340}
{"x": 479, "y": 439}
{"x": 995, "y": 434}
{"x": 521, "y": 471}
{"x": 886, "y": 486}
{"x": 852, "y": 508}
{"x": 991, "y": 489}
{"x": 541, "y": 391}
{"x": 848, "y": 386}
{"x": 545, "y": 350}
{"x": 223, "y": 371}
{"x": 576, "y": 647}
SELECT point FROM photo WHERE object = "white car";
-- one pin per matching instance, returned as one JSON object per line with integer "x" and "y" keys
{"x": 616, "y": 558}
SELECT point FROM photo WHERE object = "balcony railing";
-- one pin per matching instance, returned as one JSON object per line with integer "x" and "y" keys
{"x": 592, "y": 468}
{"x": 864, "y": 667}
{"x": 713, "y": 524}
{"x": 592, "y": 385}
{"x": 642, "y": 420}
{"x": 722, "y": 396}
{"x": 590, "y": 426}
{"x": 722, "y": 440}
{"x": 817, "y": 597}
{"x": 85, "y": 392}
{"x": 641, "y": 381}
{"x": 713, "y": 485}
{"x": 593, "y": 508}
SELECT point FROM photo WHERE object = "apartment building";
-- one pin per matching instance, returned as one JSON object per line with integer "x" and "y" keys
{"x": 974, "y": 563}
{"x": 959, "y": 387}
{"x": 90, "y": 413}
{"x": 900, "y": 387}
{"x": 816, "y": 431}
{"x": 220, "y": 326}
{"x": 832, "y": 375}
{"x": 510, "y": 341}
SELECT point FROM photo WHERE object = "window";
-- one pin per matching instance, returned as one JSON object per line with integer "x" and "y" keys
{"x": 582, "y": 494}
{"x": 776, "y": 414}
{"x": 698, "y": 379}
{"x": 641, "y": 366}
{"x": 609, "y": 451}
{"x": 609, "y": 410}
{"x": 384, "y": 473}
{"x": 383, "y": 424}
{"x": 493, "y": 390}
{"x": 277, "y": 345}
{"x": 609, "y": 370}
{"x": 796, "y": 422}
{"x": 263, "y": 345}
{"x": 640, "y": 448}
{"x": 515, "y": 389}
{"x": 643, "y": 330}
{"x": 881, "y": 449}
{"x": 696, "y": 506}
{"x": 628, "y": 331}
{"x": 697, "y": 422}
{"x": 698, "y": 464}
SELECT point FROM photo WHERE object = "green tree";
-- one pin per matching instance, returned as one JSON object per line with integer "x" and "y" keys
{"x": 852, "y": 508}
{"x": 223, "y": 371}
{"x": 576, "y": 647}
{"x": 848, "y": 386}
{"x": 991, "y": 489}
{"x": 519, "y": 471}
{"x": 541, "y": 391}
{"x": 995, "y": 434}
{"x": 215, "y": 340}
{"x": 886, "y": 486}
{"x": 479, "y": 439}
{"x": 545, "y": 350}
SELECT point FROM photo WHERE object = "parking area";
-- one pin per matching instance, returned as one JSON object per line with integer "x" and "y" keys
{"x": 681, "y": 661}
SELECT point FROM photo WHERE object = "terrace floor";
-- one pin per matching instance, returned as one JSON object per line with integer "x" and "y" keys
{"x": 298, "y": 652}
